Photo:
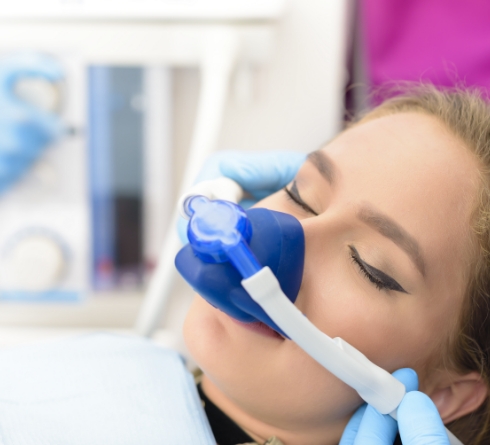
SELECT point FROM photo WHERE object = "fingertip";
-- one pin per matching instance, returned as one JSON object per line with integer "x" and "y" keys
{"x": 357, "y": 416}
{"x": 233, "y": 168}
{"x": 376, "y": 428}
{"x": 417, "y": 398}
{"x": 296, "y": 158}
{"x": 352, "y": 427}
{"x": 408, "y": 377}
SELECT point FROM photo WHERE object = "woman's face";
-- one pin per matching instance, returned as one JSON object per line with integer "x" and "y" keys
{"x": 385, "y": 209}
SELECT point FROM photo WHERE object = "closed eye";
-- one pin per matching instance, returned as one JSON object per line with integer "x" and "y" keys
{"x": 294, "y": 195}
{"x": 375, "y": 276}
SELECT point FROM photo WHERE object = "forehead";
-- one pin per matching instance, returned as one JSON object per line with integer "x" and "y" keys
{"x": 416, "y": 171}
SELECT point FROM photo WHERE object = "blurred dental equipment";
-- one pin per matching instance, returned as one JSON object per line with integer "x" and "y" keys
{"x": 86, "y": 187}
{"x": 44, "y": 224}
{"x": 221, "y": 233}
{"x": 225, "y": 43}
{"x": 27, "y": 128}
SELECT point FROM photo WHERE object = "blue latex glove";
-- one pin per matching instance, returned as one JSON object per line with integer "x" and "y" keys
{"x": 25, "y": 130}
{"x": 419, "y": 422}
{"x": 259, "y": 174}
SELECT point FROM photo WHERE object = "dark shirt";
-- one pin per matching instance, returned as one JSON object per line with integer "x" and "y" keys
{"x": 225, "y": 431}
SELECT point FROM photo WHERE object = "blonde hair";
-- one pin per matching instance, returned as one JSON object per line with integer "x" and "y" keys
{"x": 467, "y": 115}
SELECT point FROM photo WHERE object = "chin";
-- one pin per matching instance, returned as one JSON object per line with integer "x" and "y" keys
{"x": 264, "y": 375}
{"x": 222, "y": 348}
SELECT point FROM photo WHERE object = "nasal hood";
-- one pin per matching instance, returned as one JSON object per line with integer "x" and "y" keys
{"x": 277, "y": 241}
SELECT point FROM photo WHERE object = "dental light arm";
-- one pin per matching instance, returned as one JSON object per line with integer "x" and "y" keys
{"x": 219, "y": 231}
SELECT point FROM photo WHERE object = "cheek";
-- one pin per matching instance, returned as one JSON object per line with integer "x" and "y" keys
{"x": 389, "y": 337}
{"x": 202, "y": 331}
{"x": 392, "y": 330}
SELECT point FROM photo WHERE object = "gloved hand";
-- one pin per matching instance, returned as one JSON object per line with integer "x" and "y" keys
{"x": 419, "y": 422}
{"x": 259, "y": 174}
{"x": 25, "y": 130}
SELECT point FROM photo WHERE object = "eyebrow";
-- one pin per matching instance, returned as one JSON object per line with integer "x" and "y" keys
{"x": 324, "y": 165}
{"x": 392, "y": 230}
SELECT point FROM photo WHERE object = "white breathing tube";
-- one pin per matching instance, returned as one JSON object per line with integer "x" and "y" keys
{"x": 374, "y": 385}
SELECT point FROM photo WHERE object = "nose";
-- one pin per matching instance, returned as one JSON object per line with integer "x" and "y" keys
{"x": 324, "y": 235}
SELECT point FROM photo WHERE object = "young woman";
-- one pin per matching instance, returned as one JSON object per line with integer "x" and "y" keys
{"x": 396, "y": 215}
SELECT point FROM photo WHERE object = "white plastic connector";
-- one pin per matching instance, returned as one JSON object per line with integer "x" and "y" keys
{"x": 219, "y": 188}
{"x": 376, "y": 386}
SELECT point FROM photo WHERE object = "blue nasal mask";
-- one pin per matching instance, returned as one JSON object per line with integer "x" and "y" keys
{"x": 227, "y": 244}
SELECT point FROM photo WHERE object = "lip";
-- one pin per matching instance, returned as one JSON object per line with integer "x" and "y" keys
{"x": 259, "y": 328}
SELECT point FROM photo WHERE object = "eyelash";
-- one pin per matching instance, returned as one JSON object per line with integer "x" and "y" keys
{"x": 299, "y": 202}
{"x": 379, "y": 284}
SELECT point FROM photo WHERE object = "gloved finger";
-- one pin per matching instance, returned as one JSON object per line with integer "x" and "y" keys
{"x": 263, "y": 171}
{"x": 419, "y": 421}
{"x": 350, "y": 432}
{"x": 376, "y": 429}
{"x": 408, "y": 377}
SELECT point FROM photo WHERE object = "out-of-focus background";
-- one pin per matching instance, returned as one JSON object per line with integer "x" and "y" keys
{"x": 107, "y": 109}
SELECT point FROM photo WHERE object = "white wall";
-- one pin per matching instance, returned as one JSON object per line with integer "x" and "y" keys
{"x": 297, "y": 98}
